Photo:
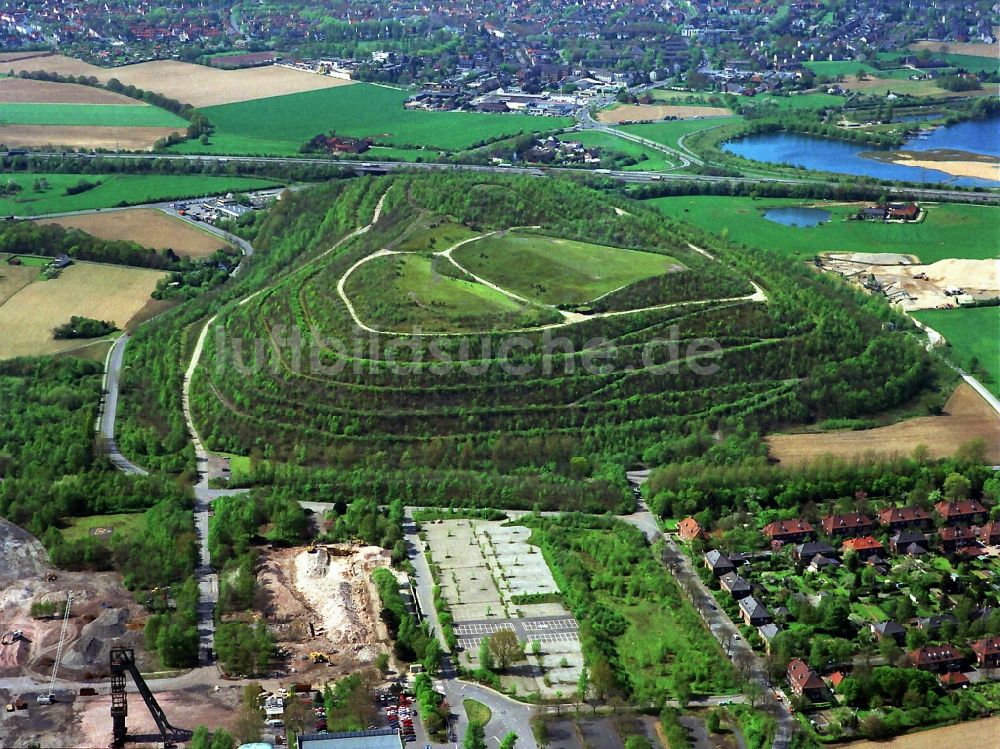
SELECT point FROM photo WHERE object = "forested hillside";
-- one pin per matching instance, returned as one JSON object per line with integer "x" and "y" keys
{"x": 384, "y": 419}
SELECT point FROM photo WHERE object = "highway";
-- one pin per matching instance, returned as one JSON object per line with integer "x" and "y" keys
{"x": 641, "y": 177}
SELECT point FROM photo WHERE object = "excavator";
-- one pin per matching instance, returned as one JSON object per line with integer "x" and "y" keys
{"x": 122, "y": 662}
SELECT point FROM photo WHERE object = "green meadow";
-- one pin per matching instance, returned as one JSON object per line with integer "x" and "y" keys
{"x": 950, "y": 230}
{"x": 109, "y": 115}
{"x": 972, "y": 333}
{"x": 114, "y": 190}
{"x": 654, "y": 160}
{"x": 670, "y": 132}
{"x": 557, "y": 271}
{"x": 128, "y": 523}
{"x": 365, "y": 110}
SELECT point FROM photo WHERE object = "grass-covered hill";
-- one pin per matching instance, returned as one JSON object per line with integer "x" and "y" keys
{"x": 395, "y": 415}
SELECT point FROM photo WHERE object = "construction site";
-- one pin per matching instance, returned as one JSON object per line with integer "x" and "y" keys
{"x": 912, "y": 286}
{"x": 319, "y": 603}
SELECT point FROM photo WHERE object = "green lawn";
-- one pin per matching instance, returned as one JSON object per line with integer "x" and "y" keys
{"x": 691, "y": 98}
{"x": 654, "y": 160}
{"x": 558, "y": 271}
{"x": 409, "y": 292}
{"x": 477, "y": 712}
{"x": 120, "y": 115}
{"x": 971, "y": 333}
{"x": 799, "y": 101}
{"x": 670, "y": 132}
{"x": 949, "y": 231}
{"x": 365, "y": 110}
{"x": 434, "y": 235}
{"x": 128, "y": 523}
{"x": 115, "y": 189}
{"x": 839, "y": 67}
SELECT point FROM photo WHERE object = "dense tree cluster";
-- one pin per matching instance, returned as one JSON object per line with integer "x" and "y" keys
{"x": 83, "y": 327}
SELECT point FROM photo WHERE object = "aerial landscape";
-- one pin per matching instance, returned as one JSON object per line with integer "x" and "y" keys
{"x": 567, "y": 375}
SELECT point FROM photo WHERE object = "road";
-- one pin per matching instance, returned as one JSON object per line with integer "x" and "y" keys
{"x": 109, "y": 407}
{"x": 362, "y": 167}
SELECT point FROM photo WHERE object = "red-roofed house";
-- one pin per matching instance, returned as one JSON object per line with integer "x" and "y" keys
{"x": 849, "y": 524}
{"x": 689, "y": 529}
{"x": 989, "y": 534}
{"x": 939, "y": 658}
{"x": 788, "y": 530}
{"x": 953, "y": 539}
{"x": 896, "y": 518}
{"x": 835, "y": 678}
{"x": 987, "y": 652}
{"x": 804, "y": 681}
{"x": 904, "y": 211}
{"x": 864, "y": 547}
{"x": 954, "y": 680}
{"x": 965, "y": 511}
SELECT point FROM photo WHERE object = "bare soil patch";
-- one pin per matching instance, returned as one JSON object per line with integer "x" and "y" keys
{"x": 966, "y": 416}
{"x": 22, "y": 90}
{"x": 971, "y": 734}
{"x": 976, "y": 49}
{"x": 637, "y": 112}
{"x": 83, "y": 136}
{"x": 147, "y": 226}
{"x": 197, "y": 85}
{"x": 102, "y": 292}
{"x": 324, "y": 603}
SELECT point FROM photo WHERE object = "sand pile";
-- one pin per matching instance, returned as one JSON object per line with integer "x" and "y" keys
{"x": 337, "y": 587}
{"x": 971, "y": 275}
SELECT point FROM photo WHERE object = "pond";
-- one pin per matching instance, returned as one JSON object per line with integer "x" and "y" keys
{"x": 797, "y": 216}
{"x": 843, "y": 157}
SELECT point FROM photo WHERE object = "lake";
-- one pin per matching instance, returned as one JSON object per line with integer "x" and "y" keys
{"x": 842, "y": 157}
{"x": 797, "y": 216}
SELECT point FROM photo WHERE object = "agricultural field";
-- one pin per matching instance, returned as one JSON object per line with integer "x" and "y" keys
{"x": 966, "y": 415}
{"x": 905, "y": 87}
{"x": 101, "y": 292}
{"x": 672, "y": 133}
{"x": 951, "y": 230}
{"x": 89, "y": 115}
{"x": 970, "y": 49}
{"x": 25, "y": 91}
{"x": 963, "y": 734}
{"x": 422, "y": 298}
{"x": 197, "y": 85}
{"x": 80, "y": 136}
{"x": 114, "y": 190}
{"x": 637, "y": 112}
{"x": 366, "y": 110}
{"x": 971, "y": 334}
{"x": 146, "y": 226}
{"x": 558, "y": 271}
{"x": 647, "y": 159}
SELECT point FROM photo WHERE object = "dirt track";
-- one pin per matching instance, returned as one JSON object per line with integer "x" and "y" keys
{"x": 197, "y": 85}
{"x": 148, "y": 227}
{"x": 966, "y": 416}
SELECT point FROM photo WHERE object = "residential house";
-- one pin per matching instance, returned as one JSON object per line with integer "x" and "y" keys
{"x": 937, "y": 658}
{"x": 904, "y": 211}
{"x": 754, "y": 612}
{"x": 767, "y": 633}
{"x": 787, "y": 531}
{"x": 954, "y": 680}
{"x": 865, "y": 547}
{"x": 989, "y": 534}
{"x": 718, "y": 563}
{"x": 805, "y": 552}
{"x": 804, "y": 681}
{"x": 848, "y": 524}
{"x": 931, "y": 624}
{"x": 821, "y": 562}
{"x": 964, "y": 511}
{"x": 890, "y": 629}
{"x": 689, "y": 529}
{"x": 987, "y": 652}
{"x": 897, "y": 518}
{"x": 836, "y": 678}
{"x": 735, "y": 585}
{"x": 900, "y": 541}
{"x": 953, "y": 539}
{"x": 60, "y": 261}
{"x": 873, "y": 213}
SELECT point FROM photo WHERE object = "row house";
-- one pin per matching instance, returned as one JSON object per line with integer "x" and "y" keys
{"x": 804, "y": 681}
{"x": 897, "y": 518}
{"x": 964, "y": 511}
{"x": 788, "y": 531}
{"x": 937, "y": 658}
{"x": 848, "y": 524}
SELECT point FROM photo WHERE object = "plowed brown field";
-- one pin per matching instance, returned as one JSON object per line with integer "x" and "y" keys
{"x": 83, "y": 136}
{"x": 197, "y": 85}
{"x": 23, "y": 90}
{"x": 966, "y": 417}
{"x": 636, "y": 112}
{"x": 147, "y": 226}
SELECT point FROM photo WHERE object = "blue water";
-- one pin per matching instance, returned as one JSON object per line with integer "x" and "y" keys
{"x": 795, "y": 216}
{"x": 975, "y": 136}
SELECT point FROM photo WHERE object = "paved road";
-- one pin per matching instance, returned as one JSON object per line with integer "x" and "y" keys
{"x": 109, "y": 407}
{"x": 923, "y": 193}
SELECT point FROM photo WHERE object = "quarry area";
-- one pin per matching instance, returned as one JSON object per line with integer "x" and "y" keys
{"x": 493, "y": 579}
{"x": 912, "y": 286}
